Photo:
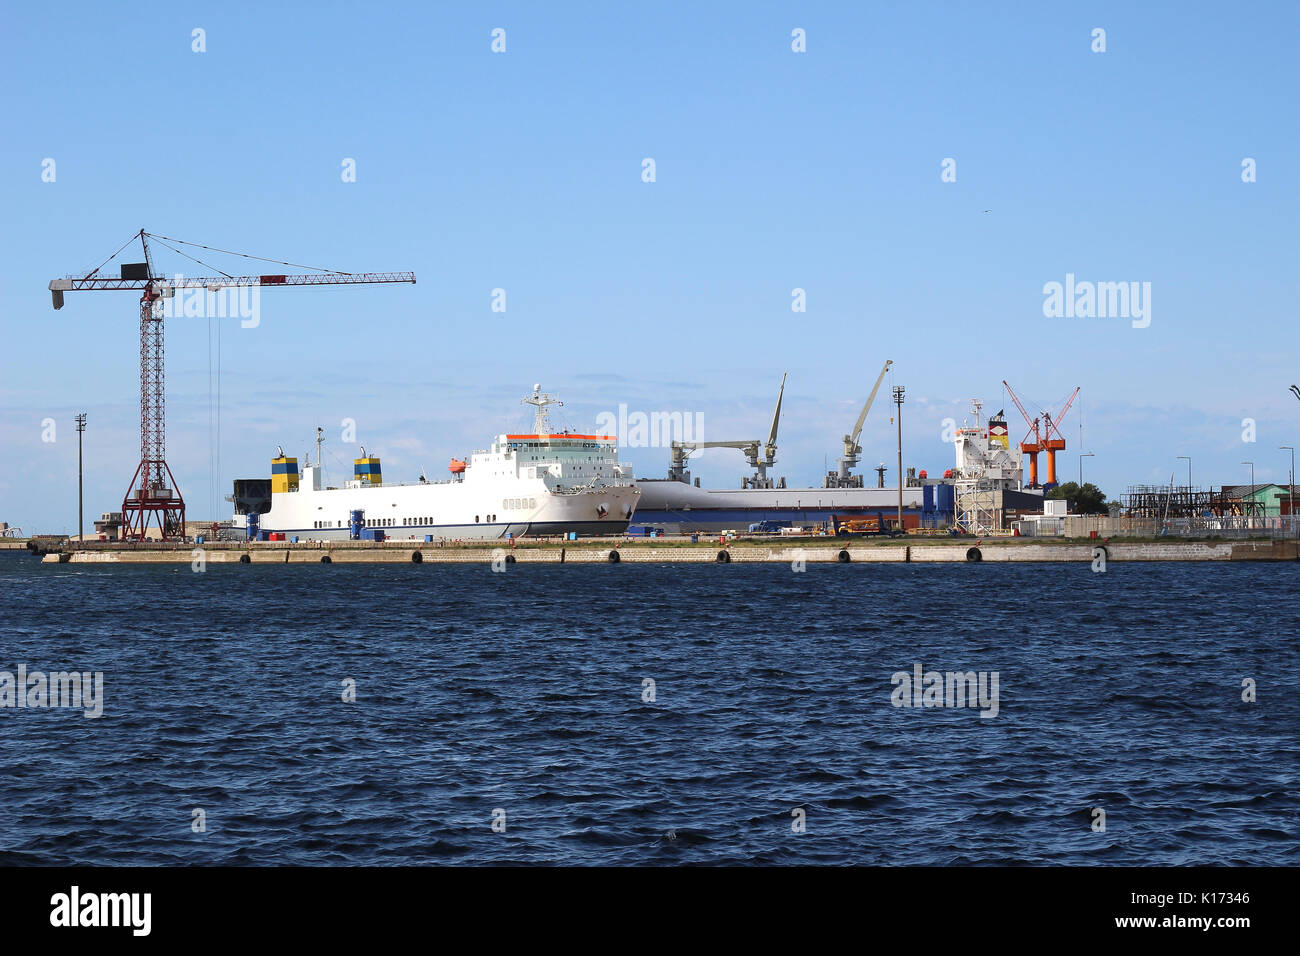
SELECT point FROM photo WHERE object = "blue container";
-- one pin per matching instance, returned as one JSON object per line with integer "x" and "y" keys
{"x": 428, "y": 537}
{"x": 356, "y": 524}
{"x": 198, "y": 539}
{"x": 293, "y": 539}
{"x": 254, "y": 526}
{"x": 573, "y": 536}
{"x": 946, "y": 501}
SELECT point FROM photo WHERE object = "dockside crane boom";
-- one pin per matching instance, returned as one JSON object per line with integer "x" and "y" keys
{"x": 153, "y": 493}
{"x": 844, "y": 477}
{"x": 681, "y": 451}
{"x": 769, "y": 448}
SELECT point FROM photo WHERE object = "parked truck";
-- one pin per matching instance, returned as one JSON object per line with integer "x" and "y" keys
{"x": 768, "y": 527}
{"x": 856, "y": 526}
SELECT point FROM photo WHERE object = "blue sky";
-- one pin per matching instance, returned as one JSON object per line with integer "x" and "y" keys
{"x": 775, "y": 170}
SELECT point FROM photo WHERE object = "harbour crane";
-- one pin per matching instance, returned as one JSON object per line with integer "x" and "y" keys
{"x": 1053, "y": 445}
{"x": 153, "y": 494}
{"x": 1042, "y": 438}
{"x": 760, "y": 479}
{"x": 844, "y": 478}
{"x": 681, "y": 451}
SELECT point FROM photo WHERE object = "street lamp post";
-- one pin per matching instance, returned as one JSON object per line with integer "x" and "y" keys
{"x": 1290, "y": 483}
{"x": 81, "y": 428}
{"x": 1251, "y": 507}
{"x": 898, "y": 400}
{"x": 1086, "y": 454}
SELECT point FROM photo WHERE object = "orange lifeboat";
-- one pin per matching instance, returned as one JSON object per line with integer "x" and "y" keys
{"x": 456, "y": 467}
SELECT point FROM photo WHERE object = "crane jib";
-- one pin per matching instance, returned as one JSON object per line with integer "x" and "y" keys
{"x": 75, "y": 284}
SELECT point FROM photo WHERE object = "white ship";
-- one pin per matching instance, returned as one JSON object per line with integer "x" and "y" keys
{"x": 542, "y": 483}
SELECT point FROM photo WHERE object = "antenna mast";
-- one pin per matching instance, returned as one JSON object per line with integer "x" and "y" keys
{"x": 540, "y": 400}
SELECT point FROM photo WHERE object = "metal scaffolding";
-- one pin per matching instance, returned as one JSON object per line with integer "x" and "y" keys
{"x": 1162, "y": 502}
{"x": 977, "y": 506}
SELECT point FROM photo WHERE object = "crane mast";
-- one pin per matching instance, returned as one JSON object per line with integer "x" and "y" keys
{"x": 153, "y": 495}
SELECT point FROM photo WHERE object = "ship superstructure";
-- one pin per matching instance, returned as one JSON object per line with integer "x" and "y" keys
{"x": 984, "y": 454}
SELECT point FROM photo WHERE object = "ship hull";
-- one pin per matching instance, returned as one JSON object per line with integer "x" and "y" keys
{"x": 452, "y": 510}
{"x": 678, "y": 507}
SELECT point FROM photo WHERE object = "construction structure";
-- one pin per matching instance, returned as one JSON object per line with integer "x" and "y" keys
{"x": 153, "y": 495}
{"x": 1167, "y": 502}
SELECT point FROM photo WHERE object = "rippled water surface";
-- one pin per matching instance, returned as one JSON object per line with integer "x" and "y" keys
{"x": 523, "y": 691}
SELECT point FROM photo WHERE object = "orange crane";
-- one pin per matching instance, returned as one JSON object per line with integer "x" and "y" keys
{"x": 1026, "y": 446}
{"x": 153, "y": 493}
{"x": 1043, "y": 440}
{"x": 1053, "y": 445}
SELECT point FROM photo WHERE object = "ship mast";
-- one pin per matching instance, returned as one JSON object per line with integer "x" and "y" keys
{"x": 320, "y": 439}
{"x": 541, "y": 423}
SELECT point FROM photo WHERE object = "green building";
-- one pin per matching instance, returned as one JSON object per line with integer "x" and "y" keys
{"x": 1269, "y": 500}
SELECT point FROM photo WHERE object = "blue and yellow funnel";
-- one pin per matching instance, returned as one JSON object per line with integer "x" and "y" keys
{"x": 366, "y": 469}
{"x": 284, "y": 475}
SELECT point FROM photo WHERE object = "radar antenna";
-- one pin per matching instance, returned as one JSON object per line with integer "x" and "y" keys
{"x": 540, "y": 400}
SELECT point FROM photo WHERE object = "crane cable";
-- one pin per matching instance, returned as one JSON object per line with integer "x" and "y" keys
{"x": 112, "y": 257}
{"x": 279, "y": 262}
{"x": 206, "y": 265}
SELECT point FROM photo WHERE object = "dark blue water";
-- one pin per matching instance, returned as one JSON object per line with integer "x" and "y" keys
{"x": 523, "y": 691}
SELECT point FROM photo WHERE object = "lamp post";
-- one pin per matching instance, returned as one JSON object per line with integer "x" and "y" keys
{"x": 1290, "y": 482}
{"x": 1086, "y": 454}
{"x": 1251, "y": 507}
{"x": 898, "y": 400}
{"x": 81, "y": 427}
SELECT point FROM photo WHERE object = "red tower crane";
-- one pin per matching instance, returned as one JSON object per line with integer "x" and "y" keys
{"x": 153, "y": 494}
